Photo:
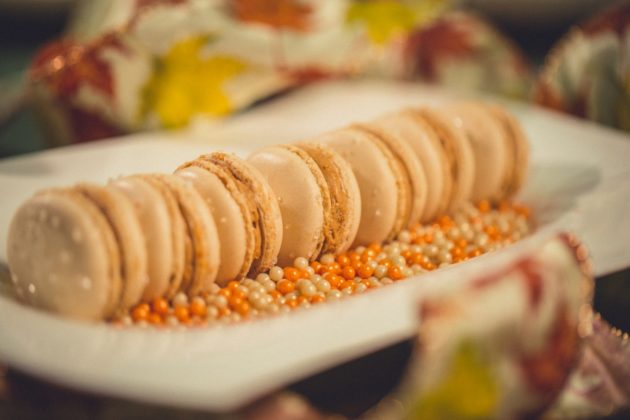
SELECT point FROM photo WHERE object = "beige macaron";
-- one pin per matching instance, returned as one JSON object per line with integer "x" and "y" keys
{"x": 459, "y": 152}
{"x": 123, "y": 218}
{"x": 202, "y": 240}
{"x": 418, "y": 134}
{"x": 385, "y": 193}
{"x": 157, "y": 223}
{"x": 302, "y": 194}
{"x": 489, "y": 146}
{"x": 231, "y": 213}
{"x": 263, "y": 208}
{"x": 518, "y": 150}
{"x": 343, "y": 208}
{"x": 63, "y": 256}
{"x": 413, "y": 172}
{"x": 78, "y": 252}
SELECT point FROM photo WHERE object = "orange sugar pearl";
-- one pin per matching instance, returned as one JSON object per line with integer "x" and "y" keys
{"x": 291, "y": 303}
{"x": 160, "y": 306}
{"x": 343, "y": 259}
{"x": 198, "y": 308}
{"x": 291, "y": 273}
{"x": 274, "y": 294}
{"x": 233, "y": 284}
{"x": 301, "y": 299}
{"x": 418, "y": 258}
{"x": 354, "y": 256}
{"x": 233, "y": 301}
{"x": 242, "y": 308}
{"x": 356, "y": 265}
{"x": 316, "y": 265}
{"x": 315, "y": 299}
{"x": 154, "y": 319}
{"x": 335, "y": 280}
{"x": 368, "y": 255}
{"x": 225, "y": 292}
{"x": 181, "y": 313}
{"x": 365, "y": 271}
{"x": 224, "y": 311}
{"x": 394, "y": 272}
{"x": 474, "y": 253}
{"x": 348, "y": 283}
{"x": 428, "y": 265}
{"x": 140, "y": 312}
{"x": 462, "y": 243}
{"x": 484, "y": 206}
{"x": 238, "y": 293}
{"x": 366, "y": 283}
{"x": 387, "y": 263}
{"x": 428, "y": 238}
{"x": 376, "y": 247}
{"x": 348, "y": 272}
{"x": 285, "y": 286}
{"x": 457, "y": 252}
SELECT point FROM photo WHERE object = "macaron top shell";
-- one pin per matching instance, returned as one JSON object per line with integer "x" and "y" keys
{"x": 63, "y": 256}
{"x": 202, "y": 232}
{"x": 265, "y": 211}
{"x": 228, "y": 216}
{"x": 377, "y": 182}
{"x": 123, "y": 218}
{"x": 297, "y": 182}
{"x": 344, "y": 215}
{"x": 459, "y": 152}
{"x": 489, "y": 147}
{"x": 419, "y": 135}
{"x": 154, "y": 218}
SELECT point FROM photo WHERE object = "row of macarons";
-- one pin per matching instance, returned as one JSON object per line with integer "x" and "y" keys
{"x": 90, "y": 250}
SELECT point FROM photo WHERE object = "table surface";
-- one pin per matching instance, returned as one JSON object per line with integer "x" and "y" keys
{"x": 348, "y": 389}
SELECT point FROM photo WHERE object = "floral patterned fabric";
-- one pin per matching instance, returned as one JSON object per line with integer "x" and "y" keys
{"x": 132, "y": 65}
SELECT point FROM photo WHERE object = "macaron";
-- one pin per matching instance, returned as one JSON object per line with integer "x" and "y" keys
{"x": 415, "y": 178}
{"x": 425, "y": 143}
{"x": 384, "y": 191}
{"x": 343, "y": 211}
{"x": 157, "y": 223}
{"x": 78, "y": 252}
{"x": 123, "y": 217}
{"x": 489, "y": 146}
{"x": 263, "y": 208}
{"x": 302, "y": 194}
{"x": 201, "y": 241}
{"x": 229, "y": 208}
{"x": 461, "y": 160}
{"x": 177, "y": 242}
{"x": 518, "y": 149}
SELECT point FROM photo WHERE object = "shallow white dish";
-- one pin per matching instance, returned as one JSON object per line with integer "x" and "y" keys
{"x": 578, "y": 181}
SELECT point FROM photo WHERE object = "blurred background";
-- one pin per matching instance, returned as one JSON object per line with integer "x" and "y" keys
{"x": 572, "y": 56}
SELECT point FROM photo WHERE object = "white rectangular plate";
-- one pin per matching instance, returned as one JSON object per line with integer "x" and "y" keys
{"x": 578, "y": 181}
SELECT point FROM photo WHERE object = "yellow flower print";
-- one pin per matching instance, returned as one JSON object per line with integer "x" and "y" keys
{"x": 386, "y": 19}
{"x": 468, "y": 390}
{"x": 185, "y": 83}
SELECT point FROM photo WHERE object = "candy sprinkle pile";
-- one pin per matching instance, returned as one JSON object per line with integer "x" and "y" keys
{"x": 470, "y": 232}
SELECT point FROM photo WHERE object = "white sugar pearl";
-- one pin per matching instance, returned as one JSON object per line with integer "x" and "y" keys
{"x": 301, "y": 263}
{"x": 180, "y": 299}
{"x": 322, "y": 285}
{"x": 445, "y": 257}
{"x": 262, "y": 278}
{"x": 276, "y": 273}
{"x": 360, "y": 288}
{"x": 328, "y": 259}
{"x": 380, "y": 271}
{"x": 404, "y": 236}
